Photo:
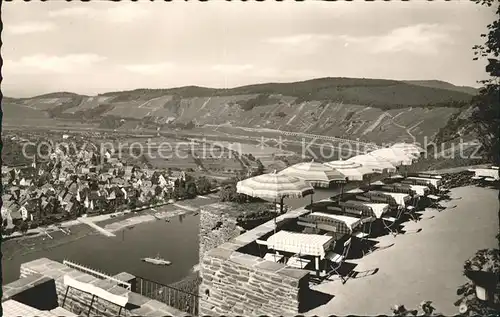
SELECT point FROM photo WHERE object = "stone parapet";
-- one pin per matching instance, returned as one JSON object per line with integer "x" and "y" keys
{"x": 217, "y": 225}
{"x": 79, "y": 302}
{"x": 234, "y": 283}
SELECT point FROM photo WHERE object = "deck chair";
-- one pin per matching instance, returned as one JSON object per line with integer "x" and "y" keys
{"x": 391, "y": 223}
{"x": 297, "y": 262}
{"x": 337, "y": 260}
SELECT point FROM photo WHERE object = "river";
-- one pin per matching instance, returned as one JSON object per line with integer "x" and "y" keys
{"x": 176, "y": 241}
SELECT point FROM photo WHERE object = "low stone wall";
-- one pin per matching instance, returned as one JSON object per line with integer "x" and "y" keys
{"x": 217, "y": 226}
{"x": 234, "y": 283}
{"x": 460, "y": 179}
{"x": 78, "y": 302}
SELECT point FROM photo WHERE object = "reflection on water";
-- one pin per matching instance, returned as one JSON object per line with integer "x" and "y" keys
{"x": 176, "y": 241}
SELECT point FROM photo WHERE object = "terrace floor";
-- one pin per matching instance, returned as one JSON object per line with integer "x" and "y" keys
{"x": 421, "y": 266}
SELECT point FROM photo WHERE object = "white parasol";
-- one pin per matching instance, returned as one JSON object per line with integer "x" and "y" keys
{"x": 318, "y": 174}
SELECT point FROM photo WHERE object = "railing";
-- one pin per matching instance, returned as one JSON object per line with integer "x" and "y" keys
{"x": 171, "y": 296}
{"x": 97, "y": 274}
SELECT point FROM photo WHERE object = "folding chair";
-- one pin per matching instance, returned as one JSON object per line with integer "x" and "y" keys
{"x": 297, "y": 262}
{"x": 391, "y": 223}
{"x": 363, "y": 235}
{"x": 410, "y": 210}
{"x": 435, "y": 202}
{"x": 274, "y": 257}
{"x": 337, "y": 260}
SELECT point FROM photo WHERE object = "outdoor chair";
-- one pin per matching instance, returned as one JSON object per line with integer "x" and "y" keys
{"x": 435, "y": 202}
{"x": 274, "y": 257}
{"x": 411, "y": 210}
{"x": 297, "y": 262}
{"x": 363, "y": 236}
{"x": 391, "y": 223}
{"x": 337, "y": 260}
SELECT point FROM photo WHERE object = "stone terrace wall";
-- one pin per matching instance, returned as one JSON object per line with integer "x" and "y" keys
{"x": 78, "y": 302}
{"x": 211, "y": 235}
{"x": 240, "y": 284}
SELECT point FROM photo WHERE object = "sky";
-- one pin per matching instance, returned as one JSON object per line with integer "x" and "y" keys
{"x": 97, "y": 47}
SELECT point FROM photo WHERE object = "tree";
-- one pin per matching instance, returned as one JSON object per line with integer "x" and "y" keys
{"x": 23, "y": 227}
{"x": 260, "y": 168}
{"x": 204, "y": 185}
{"x": 229, "y": 193}
{"x": 486, "y": 115}
{"x": 191, "y": 190}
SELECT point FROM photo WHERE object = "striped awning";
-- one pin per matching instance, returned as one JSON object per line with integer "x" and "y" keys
{"x": 300, "y": 243}
{"x": 274, "y": 186}
{"x": 395, "y": 156}
{"x": 376, "y": 164}
{"x": 410, "y": 148}
{"x": 354, "y": 171}
{"x": 317, "y": 174}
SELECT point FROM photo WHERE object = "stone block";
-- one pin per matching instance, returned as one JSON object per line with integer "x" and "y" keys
{"x": 117, "y": 290}
{"x": 155, "y": 305}
{"x": 256, "y": 298}
{"x": 75, "y": 274}
{"x": 157, "y": 313}
{"x": 104, "y": 284}
{"x": 293, "y": 273}
{"x": 241, "y": 278}
{"x": 53, "y": 265}
{"x": 219, "y": 253}
{"x": 137, "y": 299}
{"x": 244, "y": 260}
{"x": 232, "y": 246}
{"x": 229, "y": 270}
{"x": 269, "y": 266}
{"x": 124, "y": 276}
{"x": 86, "y": 278}
{"x": 141, "y": 311}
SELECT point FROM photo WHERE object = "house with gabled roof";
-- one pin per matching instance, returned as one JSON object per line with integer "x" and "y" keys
{"x": 24, "y": 182}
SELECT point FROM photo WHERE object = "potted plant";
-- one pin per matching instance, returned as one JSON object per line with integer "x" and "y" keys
{"x": 481, "y": 295}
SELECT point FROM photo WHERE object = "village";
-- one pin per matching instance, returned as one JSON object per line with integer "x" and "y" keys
{"x": 71, "y": 185}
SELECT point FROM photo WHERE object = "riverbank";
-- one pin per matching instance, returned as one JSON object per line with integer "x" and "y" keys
{"x": 132, "y": 221}
{"x": 112, "y": 255}
{"x": 45, "y": 231}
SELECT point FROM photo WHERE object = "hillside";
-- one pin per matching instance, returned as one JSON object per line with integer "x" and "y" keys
{"x": 369, "y": 109}
{"x": 442, "y": 85}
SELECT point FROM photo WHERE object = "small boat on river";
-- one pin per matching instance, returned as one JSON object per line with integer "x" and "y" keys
{"x": 157, "y": 260}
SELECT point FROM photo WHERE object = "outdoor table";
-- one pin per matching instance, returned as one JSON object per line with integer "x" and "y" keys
{"x": 487, "y": 173}
{"x": 378, "y": 208}
{"x": 400, "y": 198}
{"x": 349, "y": 223}
{"x": 300, "y": 243}
{"x": 436, "y": 182}
{"x": 419, "y": 189}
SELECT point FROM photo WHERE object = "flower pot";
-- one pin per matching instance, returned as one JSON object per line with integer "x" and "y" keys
{"x": 482, "y": 293}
